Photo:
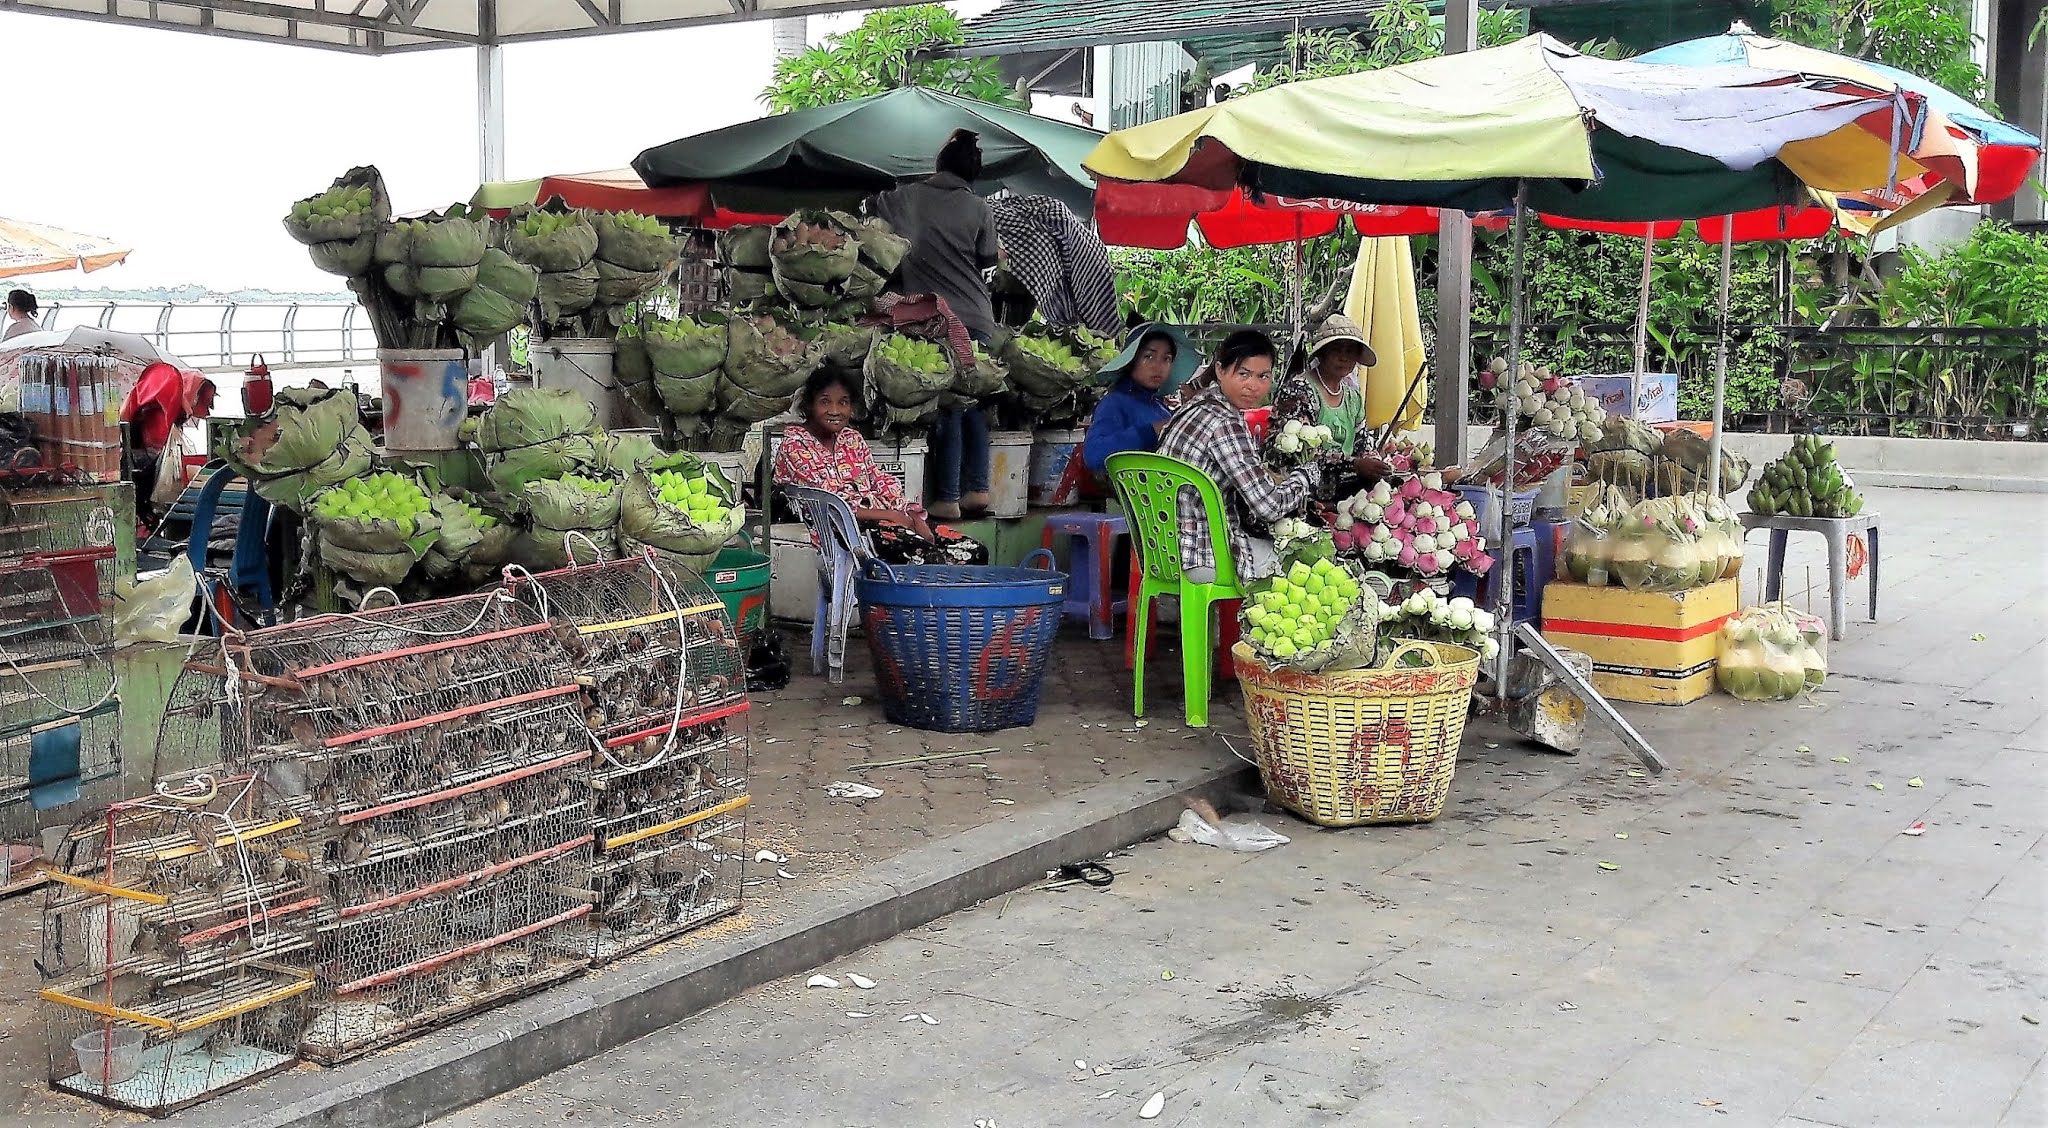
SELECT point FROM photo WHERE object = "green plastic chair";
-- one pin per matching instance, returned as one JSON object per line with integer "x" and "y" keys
{"x": 1149, "y": 485}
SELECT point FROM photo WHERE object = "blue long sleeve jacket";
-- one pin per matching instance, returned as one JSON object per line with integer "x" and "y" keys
{"x": 1126, "y": 419}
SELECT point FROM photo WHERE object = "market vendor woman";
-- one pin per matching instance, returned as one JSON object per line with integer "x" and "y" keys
{"x": 826, "y": 453}
{"x": 1156, "y": 360}
{"x": 1209, "y": 431}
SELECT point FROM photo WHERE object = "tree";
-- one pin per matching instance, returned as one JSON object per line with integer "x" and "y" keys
{"x": 1929, "y": 38}
{"x": 882, "y": 54}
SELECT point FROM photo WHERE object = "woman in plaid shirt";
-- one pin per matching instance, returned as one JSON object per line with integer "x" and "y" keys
{"x": 1209, "y": 432}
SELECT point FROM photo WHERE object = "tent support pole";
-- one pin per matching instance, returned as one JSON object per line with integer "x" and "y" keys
{"x": 490, "y": 108}
{"x": 1504, "y": 586}
{"x": 1713, "y": 475}
{"x": 1453, "y": 359}
{"x": 1643, "y": 306}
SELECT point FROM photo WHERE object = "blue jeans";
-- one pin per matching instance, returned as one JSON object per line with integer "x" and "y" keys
{"x": 959, "y": 454}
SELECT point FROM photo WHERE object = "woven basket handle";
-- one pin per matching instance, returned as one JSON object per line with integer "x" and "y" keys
{"x": 878, "y": 570}
{"x": 1410, "y": 647}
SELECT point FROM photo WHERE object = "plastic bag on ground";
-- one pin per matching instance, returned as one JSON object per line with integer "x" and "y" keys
{"x": 1763, "y": 655}
{"x": 1246, "y": 837}
{"x": 153, "y": 610}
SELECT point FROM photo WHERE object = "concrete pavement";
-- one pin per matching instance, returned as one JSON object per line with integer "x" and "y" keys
{"x": 1768, "y": 947}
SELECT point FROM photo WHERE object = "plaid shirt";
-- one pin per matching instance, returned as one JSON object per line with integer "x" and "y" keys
{"x": 1210, "y": 434}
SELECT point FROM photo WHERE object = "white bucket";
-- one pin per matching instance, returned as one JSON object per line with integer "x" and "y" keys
{"x": 1009, "y": 473}
{"x": 905, "y": 463}
{"x": 583, "y": 365}
{"x": 426, "y": 395}
{"x": 1056, "y": 469}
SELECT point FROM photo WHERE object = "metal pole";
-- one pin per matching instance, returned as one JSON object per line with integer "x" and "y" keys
{"x": 1454, "y": 280}
{"x": 1504, "y": 589}
{"x": 490, "y": 102}
{"x": 1713, "y": 477}
{"x": 1643, "y": 307}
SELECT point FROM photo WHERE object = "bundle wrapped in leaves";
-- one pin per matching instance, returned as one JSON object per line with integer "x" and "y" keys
{"x": 551, "y": 241}
{"x": 1044, "y": 366}
{"x": 373, "y": 529}
{"x": 984, "y": 380}
{"x": 686, "y": 347}
{"x": 845, "y": 346}
{"x": 635, "y": 242}
{"x": 814, "y": 247}
{"x": 339, "y": 226}
{"x": 310, "y": 439}
{"x": 880, "y": 246}
{"x": 1095, "y": 349}
{"x": 497, "y": 303}
{"x": 567, "y": 517}
{"x": 765, "y": 357}
{"x": 746, "y": 248}
{"x": 622, "y": 454}
{"x": 750, "y": 287}
{"x": 536, "y": 433}
{"x": 475, "y": 540}
{"x": 1682, "y": 464}
{"x": 907, "y": 372}
{"x": 431, "y": 259}
{"x": 682, "y": 507}
{"x": 1314, "y": 615}
{"x": 634, "y": 369}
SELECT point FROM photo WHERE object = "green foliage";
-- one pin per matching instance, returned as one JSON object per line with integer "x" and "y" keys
{"x": 1929, "y": 38}
{"x": 882, "y": 55}
{"x": 1401, "y": 31}
{"x": 1997, "y": 279}
{"x": 1581, "y": 293}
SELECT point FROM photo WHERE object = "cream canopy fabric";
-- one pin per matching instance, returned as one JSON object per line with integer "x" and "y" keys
{"x": 376, "y": 27}
{"x": 35, "y": 248}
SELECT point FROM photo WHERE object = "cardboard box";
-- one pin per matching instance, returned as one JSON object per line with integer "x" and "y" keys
{"x": 1644, "y": 397}
{"x": 1656, "y": 648}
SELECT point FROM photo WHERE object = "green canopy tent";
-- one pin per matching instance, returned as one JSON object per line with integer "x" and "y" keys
{"x": 836, "y": 156}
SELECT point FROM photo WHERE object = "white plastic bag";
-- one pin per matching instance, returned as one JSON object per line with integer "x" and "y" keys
{"x": 170, "y": 472}
{"x": 1244, "y": 838}
{"x": 155, "y": 609}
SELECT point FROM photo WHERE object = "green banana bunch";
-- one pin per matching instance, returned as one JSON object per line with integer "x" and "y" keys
{"x": 1806, "y": 482}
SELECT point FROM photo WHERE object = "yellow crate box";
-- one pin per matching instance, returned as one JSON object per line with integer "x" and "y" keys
{"x": 1657, "y": 648}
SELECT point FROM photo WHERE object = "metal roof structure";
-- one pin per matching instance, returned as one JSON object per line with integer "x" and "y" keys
{"x": 381, "y": 27}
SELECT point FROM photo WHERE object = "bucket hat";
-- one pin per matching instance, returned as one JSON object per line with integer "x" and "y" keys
{"x": 1185, "y": 359}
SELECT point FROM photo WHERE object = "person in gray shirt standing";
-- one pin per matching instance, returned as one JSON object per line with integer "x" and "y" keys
{"x": 952, "y": 237}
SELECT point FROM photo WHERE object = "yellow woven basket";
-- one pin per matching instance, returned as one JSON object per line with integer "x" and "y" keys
{"x": 1360, "y": 746}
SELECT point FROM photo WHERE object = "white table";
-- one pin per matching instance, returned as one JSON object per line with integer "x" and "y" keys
{"x": 1837, "y": 530}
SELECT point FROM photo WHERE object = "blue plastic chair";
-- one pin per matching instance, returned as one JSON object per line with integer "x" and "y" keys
{"x": 841, "y": 548}
{"x": 250, "y": 567}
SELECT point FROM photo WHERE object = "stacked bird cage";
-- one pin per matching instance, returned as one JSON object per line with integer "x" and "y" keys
{"x": 437, "y": 754}
{"x": 666, "y": 684}
{"x": 175, "y": 935}
{"x": 59, "y": 722}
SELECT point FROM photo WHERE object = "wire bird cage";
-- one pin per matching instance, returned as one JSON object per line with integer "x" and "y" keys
{"x": 665, "y": 685}
{"x": 437, "y": 754}
{"x": 175, "y": 935}
{"x": 58, "y": 727}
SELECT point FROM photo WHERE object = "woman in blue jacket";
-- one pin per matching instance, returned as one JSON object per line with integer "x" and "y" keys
{"x": 1156, "y": 360}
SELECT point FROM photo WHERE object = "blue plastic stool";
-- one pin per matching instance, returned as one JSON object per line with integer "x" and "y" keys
{"x": 1534, "y": 564}
{"x": 1091, "y": 595}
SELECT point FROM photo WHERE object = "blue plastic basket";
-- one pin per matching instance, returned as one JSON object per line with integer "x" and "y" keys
{"x": 961, "y": 649}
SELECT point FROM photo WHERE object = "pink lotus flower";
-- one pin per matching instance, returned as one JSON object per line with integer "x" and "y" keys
{"x": 1551, "y": 385}
{"x": 1488, "y": 378}
{"x": 1395, "y": 514}
{"x": 1411, "y": 489}
{"x": 1408, "y": 555}
{"x": 1343, "y": 539}
{"x": 1479, "y": 564}
{"x": 1444, "y": 498}
{"x": 1426, "y": 525}
{"x": 1465, "y": 549}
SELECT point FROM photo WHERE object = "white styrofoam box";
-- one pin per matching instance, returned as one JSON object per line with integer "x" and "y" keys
{"x": 903, "y": 462}
{"x": 1650, "y": 397}
{"x": 792, "y": 573}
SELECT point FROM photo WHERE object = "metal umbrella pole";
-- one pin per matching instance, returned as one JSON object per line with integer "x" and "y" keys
{"x": 1504, "y": 599}
{"x": 1643, "y": 306}
{"x": 1721, "y": 358}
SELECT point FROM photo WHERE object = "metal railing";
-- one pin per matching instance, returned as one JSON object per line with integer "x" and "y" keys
{"x": 222, "y": 336}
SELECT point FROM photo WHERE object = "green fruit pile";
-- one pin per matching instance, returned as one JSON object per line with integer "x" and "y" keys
{"x": 1807, "y": 482}
{"x": 336, "y": 201}
{"x": 695, "y": 495}
{"x": 476, "y": 516}
{"x": 380, "y": 496}
{"x": 595, "y": 486}
{"x": 1301, "y": 608}
{"x": 1055, "y": 353}
{"x": 538, "y": 224}
{"x": 918, "y": 356}
{"x": 634, "y": 221}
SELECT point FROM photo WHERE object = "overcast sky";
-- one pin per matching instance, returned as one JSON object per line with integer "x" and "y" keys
{"x": 189, "y": 149}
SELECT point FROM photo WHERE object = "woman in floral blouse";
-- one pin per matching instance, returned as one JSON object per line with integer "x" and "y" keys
{"x": 827, "y": 453}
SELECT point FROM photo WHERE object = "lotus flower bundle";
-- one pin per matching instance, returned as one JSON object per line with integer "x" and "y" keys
{"x": 1416, "y": 524}
{"x": 1546, "y": 401}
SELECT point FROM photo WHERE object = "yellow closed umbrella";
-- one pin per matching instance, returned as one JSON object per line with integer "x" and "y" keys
{"x": 1382, "y": 300}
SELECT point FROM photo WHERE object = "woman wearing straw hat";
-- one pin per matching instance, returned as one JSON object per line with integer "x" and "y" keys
{"x": 1325, "y": 391}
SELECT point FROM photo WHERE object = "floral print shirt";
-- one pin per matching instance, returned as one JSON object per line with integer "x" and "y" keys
{"x": 846, "y": 468}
